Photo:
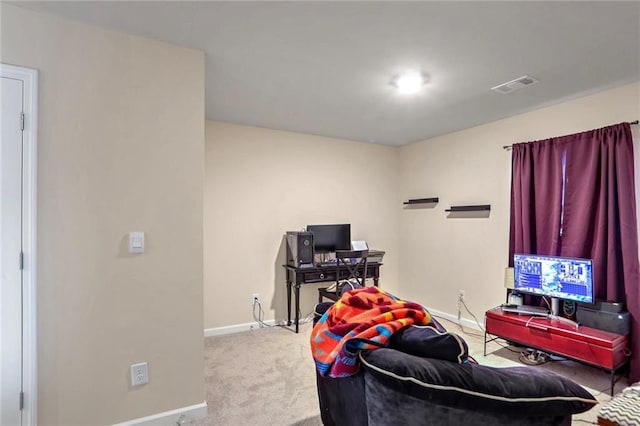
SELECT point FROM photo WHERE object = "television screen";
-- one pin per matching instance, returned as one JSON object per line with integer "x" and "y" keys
{"x": 559, "y": 277}
{"x": 329, "y": 238}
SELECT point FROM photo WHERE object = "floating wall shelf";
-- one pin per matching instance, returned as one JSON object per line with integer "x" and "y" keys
{"x": 422, "y": 200}
{"x": 476, "y": 208}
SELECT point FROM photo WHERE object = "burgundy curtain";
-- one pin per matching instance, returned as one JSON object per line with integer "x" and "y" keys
{"x": 599, "y": 217}
{"x": 536, "y": 198}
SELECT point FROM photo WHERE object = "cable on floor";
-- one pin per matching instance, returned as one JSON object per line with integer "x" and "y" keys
{"x": 496, "y": 340}
{"x": 260, "y": 317}
{"x": 533, "y": 357}
{"x": 459, "y": 325}
{"x": 472, "y": 315}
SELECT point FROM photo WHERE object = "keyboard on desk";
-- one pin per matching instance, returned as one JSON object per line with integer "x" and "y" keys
{"x": 526, "y": 310}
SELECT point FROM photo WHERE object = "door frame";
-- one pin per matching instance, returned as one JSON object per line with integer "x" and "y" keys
{"x": 29, "y": 77}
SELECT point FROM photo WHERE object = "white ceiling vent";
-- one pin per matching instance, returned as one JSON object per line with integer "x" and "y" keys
{"x": 514, "y": 85}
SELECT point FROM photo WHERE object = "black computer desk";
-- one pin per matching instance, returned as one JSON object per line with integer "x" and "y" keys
{"x": 296, "y": 276}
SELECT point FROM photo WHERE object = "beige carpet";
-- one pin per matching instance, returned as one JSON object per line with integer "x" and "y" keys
{"x": 266, "y": 376}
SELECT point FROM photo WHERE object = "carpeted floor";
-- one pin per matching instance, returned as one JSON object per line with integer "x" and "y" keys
{"x": 266, "y": 376}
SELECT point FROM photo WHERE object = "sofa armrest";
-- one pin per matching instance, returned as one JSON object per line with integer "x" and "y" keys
{"x": 521, "y": 391}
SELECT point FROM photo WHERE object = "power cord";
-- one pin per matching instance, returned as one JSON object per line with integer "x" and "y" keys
{"x": 307, "y": 318}
{"x": 497, "y": 341}
{"x": 533, "y": 357}
{"x": 461, "y": 300}
{"x": 459, "y": 325}
{"x": 528, "y": 356}
{"x": 260, "y": 317}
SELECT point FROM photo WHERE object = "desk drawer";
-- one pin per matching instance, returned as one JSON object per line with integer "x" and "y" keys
{"x": 311, "y": 277}
{"x": 344, "y": 274}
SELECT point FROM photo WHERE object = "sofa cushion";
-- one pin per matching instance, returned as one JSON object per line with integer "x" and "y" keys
{"x": 527, "y": 391}
{"x": 430, "y": 342}
{"x": 388, "y": 407}
{"x": 624, "y": 408}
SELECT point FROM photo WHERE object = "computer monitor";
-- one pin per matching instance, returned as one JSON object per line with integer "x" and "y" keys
{"x": 329, "y": 238}
{"x": 557, "y": 277}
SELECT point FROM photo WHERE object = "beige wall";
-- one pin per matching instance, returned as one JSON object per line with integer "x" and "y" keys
{"x": 120, "y": 149}
{"x": 260, "y": 183}
{"x": 440, "y": 255}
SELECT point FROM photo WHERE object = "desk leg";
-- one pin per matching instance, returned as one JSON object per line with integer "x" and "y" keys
{"x": 288, "y": 302}
{"x": 485, "y": 341}
{"x": 375, "y": 281}
{"x": 613, "y": 376}
{"x": 297, "y": 295}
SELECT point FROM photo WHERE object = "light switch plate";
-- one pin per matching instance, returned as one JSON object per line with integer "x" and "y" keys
{"x": 136, "y": 242}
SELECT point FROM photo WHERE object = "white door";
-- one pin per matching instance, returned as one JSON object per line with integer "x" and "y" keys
{"x": 11, "y": 92}
{"x": 18, "y": 337}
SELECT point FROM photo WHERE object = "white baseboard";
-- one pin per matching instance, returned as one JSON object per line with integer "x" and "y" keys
{"x": 465, "y": 322}
{"x": 170, "y": 418}
{"x": 237, "y": 328}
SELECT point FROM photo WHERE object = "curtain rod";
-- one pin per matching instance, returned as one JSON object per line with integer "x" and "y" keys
{"x": 508, "y": 147}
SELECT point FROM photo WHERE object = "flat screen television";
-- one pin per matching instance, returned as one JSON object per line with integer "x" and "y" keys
{"x": 329, "y": 238}
{"x": 556, "y": 277}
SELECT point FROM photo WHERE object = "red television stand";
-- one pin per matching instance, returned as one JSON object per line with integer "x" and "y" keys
{"x": 598, "y": 348}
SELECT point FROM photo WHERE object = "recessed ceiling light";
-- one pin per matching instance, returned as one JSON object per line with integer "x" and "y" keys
{"x": 409, "y": 82}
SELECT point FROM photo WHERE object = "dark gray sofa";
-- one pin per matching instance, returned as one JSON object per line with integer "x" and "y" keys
{"x": 394, "y": 387}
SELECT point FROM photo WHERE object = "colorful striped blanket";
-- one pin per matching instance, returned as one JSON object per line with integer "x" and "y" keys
{"x": 364, "y": 318}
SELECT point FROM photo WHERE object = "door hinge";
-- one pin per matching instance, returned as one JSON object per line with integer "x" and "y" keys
{"x": 21, "y": 260}
{"x": 22, "y": 121}
{"x": 21, "y": 401}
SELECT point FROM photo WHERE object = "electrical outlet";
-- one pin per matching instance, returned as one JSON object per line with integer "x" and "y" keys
{"x": 461, "y": 295}
{"x": 139, "y": 374}
{"x": 255, "y": 298}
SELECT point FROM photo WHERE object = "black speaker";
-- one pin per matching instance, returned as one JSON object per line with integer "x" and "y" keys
{"x": 299, "y": 249}
{"x": 604, "y": 316}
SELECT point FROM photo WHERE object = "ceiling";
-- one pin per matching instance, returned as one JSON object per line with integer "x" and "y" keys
{"x": 324, "y": 68}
